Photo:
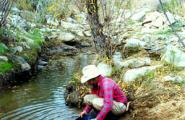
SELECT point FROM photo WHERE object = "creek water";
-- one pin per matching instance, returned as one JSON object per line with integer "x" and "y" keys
{"x": 42, "y": 97}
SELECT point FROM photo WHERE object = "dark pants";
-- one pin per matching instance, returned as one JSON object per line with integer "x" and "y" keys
{"x": 93, "y": 114}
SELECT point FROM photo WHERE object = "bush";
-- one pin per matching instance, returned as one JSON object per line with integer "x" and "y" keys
{"x": 4, "y": 67}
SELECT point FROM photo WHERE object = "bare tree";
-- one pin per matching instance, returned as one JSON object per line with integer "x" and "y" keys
{"x": 5, "y": 6}
{"x": 102, "y": 42}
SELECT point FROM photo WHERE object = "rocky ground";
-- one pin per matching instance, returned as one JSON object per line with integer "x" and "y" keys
{"x": 149, "y": 65}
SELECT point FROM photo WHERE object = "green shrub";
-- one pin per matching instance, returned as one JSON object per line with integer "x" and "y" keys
{"x": 4, "y": 67}
{"x": 3, "y": 48}
{"x": 33, "y": 37}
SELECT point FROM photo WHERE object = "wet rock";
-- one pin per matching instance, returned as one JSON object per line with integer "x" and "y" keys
{"x": 174, "y": 56}
{"x": 134, "y": 74}
{"x": 22, "y": 62}
{"x": 63, "y": 50}
{"x": 40, "y": 67}
{"x": 3, "y": 58}
{"x": 41, "y": 62}
{"x": 105, "y": 69}
{"x": 71, "y": 96}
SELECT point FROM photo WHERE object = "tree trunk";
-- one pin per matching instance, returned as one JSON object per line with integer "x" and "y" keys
{"x": 100, "y": 40}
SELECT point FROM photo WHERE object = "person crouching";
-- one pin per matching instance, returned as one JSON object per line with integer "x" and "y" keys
{"x": 106, "y": 100}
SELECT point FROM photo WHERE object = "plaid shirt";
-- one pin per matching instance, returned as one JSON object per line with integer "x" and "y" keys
{"x": 109, "y": 90}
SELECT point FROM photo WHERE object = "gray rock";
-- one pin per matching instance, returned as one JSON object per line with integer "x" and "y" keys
{"x": 134, "y": 74}
{"x": 133, "y": 43}
{"x": 105, "y": 69}
{"x": 17, "y": 49}
{"x": 51, "y": 20}
{"x": 117, "y": 60}
{"x": 24, "y": 65}
{"x": 3, "y": 58}
{"x": 150, "y": 4}
{"x": 18, "y": 22}
{"x": 64, "y": 36}
{"x": 136, "y": 62}
{"x": 140, "y": 13}
{"x": 40, "y": 67}
{"x": 87, "y": 33}
{"x": 41, "y": 62}
{"x": 70, "y": 26}
{"x": 174, "y": 56}
{"x": 173, "y": 78}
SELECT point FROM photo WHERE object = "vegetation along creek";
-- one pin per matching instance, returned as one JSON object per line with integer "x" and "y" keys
{"x": 45, "y": 44}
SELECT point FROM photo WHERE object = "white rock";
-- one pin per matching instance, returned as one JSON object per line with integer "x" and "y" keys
{"x": 70, "y": 26}
{"x": 136, "y": 62}
{"x": 51, "y": 20}
{"x": 25, "y": 66}
{"x": 134, "y": 43}
{"x": 87, "y": 33}
{"x": 134, "y": 74}
{"x": 117, "y": 60}
{"x": 3, "y": 58}
{"x": 64, "y": 36}
{"x": 173, "y": 78}
{"x": 18, "y": 49}
{"x": 105, "y": 69}
{"x": 174, "y": 56}
{"x": 139, "y": 14}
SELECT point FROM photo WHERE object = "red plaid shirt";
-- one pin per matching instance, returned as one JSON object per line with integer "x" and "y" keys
{"x": 109, "y": 90}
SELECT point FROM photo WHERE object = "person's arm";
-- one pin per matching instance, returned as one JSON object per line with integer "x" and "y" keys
{"x": 108, "y": 100}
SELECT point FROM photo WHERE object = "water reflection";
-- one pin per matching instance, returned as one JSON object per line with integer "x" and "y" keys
{"x": 42, "y": 97}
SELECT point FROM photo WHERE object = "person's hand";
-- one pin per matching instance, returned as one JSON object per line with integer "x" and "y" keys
{"x": 82, "y": 113}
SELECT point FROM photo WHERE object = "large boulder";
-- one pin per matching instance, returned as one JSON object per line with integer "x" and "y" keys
{"x": 174, "y": 56}
{"x": 134, "y": 74}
